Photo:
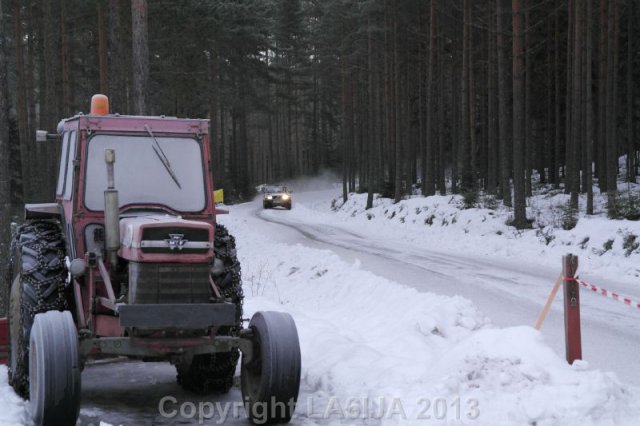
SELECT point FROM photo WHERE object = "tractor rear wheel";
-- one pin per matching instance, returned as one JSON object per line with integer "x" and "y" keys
{"x": 54, "y": 369}
{"x": 270, "y": 376}
{"x": 39, "y": 253}
{"x": 214, "y": 372}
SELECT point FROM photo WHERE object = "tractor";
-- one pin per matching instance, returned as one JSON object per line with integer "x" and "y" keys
{"x": 130, "y": 262}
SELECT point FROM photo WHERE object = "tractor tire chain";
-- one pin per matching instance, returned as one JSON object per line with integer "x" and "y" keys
{"x": 231, "y": 284}
{"x": 44, "y": 276}
{"x": 214, "y": 373}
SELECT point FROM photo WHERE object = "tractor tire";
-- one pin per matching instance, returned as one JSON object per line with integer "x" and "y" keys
{"x": 270, "y": 377}
{"x": 39, "y": 286}
{"x": 54, "y": 365}
{"x": 214, "y": 372}
{"x": 266, "y": 205}
{"x": 288, "y": 206}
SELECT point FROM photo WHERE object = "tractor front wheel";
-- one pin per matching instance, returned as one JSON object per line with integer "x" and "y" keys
{"x": 54, "y": 369}
{"x": 270, "y": 375}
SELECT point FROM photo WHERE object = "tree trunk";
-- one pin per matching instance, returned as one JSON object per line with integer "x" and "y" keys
{"x": 492, "y": 134}
{"x": 140, "y": 50}
{"x": 429, "y": 186}
{"x": 244, "y": 160}
{"x": 557, "y": 140}
{"x": 455, "y": 128}
{"x": 21, "y": 106}
{"x": 345, "y": 136}
{"x": 528, "y": 138}
{"x": 371, "y": 132}
{"x": 568, "y": 155}
{"x": 465, "y": 143}
{"x": 519, "y": 210}
{"x": 441, "y": 183}
{"x": 102, "y": 49}
{"x": 505, "y": 170}
{"x": 214, "y": 145}
{"x": 545, "y": 157}
{"x": 590, "y": 136}
{"x": 473, "y": 142}
{"x": 50, "y": 102}
{"x": 117, "y": 80}
{"x": 573, "y": 152}
{"x": 397, "y": 105}
{"x": 5, "y": 210}
{"x": 611, "y": 115}
{"x": 29, "y": 179}
{"x": 67, "y": 91}
{"x": 631, "y": 166}
{"x": 601, "y": 152}
{"x": 225, "y": 158}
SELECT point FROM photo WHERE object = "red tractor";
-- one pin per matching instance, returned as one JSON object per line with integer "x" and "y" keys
{"x": 130, "y": 262}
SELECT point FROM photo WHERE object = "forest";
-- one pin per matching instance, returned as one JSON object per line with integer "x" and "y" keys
{"x": 445, "y": 96}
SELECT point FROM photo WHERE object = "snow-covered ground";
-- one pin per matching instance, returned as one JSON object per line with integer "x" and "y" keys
{"x": 367, "y": 338}
{"x": 387, "y": 340}
{"x": 13, "y": 411}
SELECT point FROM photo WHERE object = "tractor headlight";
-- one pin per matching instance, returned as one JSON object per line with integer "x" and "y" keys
{"x": 269, "y": 197}
{"x": 285, "y": 197}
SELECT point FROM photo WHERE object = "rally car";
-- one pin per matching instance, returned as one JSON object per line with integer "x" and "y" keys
{"x": 275, "y": 196}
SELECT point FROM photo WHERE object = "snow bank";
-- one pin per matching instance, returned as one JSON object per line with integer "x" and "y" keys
{"x": 523, "y": 381}
{"x": 606, "y": 247}
{"x": 376, "y": 351}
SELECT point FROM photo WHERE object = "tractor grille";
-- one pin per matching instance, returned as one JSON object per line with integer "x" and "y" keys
{"x": 169, "y": 282}
{"x": 163, "y": 234}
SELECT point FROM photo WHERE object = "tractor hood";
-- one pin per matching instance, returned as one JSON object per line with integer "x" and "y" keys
{"x": 164, "y": 238}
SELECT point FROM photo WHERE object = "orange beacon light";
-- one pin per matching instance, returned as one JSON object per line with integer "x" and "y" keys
{"x": 99, "y": 105}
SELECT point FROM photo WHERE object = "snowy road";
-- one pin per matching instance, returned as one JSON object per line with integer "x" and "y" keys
{"x": 509, "y": 293}
{"x": 138, "y": 393}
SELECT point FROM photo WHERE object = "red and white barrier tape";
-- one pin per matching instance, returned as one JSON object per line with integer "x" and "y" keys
{"x": 606, "y": 293}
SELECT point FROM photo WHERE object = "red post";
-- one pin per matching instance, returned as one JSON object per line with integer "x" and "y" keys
{"x": 573, "y": 339}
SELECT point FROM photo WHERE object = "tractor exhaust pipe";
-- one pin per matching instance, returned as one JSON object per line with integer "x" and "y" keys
{"x": 111, "y": 211}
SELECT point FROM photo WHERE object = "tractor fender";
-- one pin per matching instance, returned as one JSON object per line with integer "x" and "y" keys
{"x": 42, "y": 211}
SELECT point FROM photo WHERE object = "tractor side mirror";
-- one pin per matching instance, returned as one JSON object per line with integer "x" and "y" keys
{"x": 43, "y": 136}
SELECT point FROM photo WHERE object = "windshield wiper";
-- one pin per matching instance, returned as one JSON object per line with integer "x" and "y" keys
{"x": 162, "y": 156}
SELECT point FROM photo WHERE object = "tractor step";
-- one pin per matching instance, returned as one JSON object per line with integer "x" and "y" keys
{"x": 4, "y": 340}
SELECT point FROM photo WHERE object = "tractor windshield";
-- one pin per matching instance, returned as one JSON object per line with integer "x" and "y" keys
{"x": 140, "y": 178}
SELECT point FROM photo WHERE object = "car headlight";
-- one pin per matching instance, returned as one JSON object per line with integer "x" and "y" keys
{"x": 285, "y": 197}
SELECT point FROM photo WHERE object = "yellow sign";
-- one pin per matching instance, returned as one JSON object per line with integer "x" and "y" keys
{"x": 218, "y": 196}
